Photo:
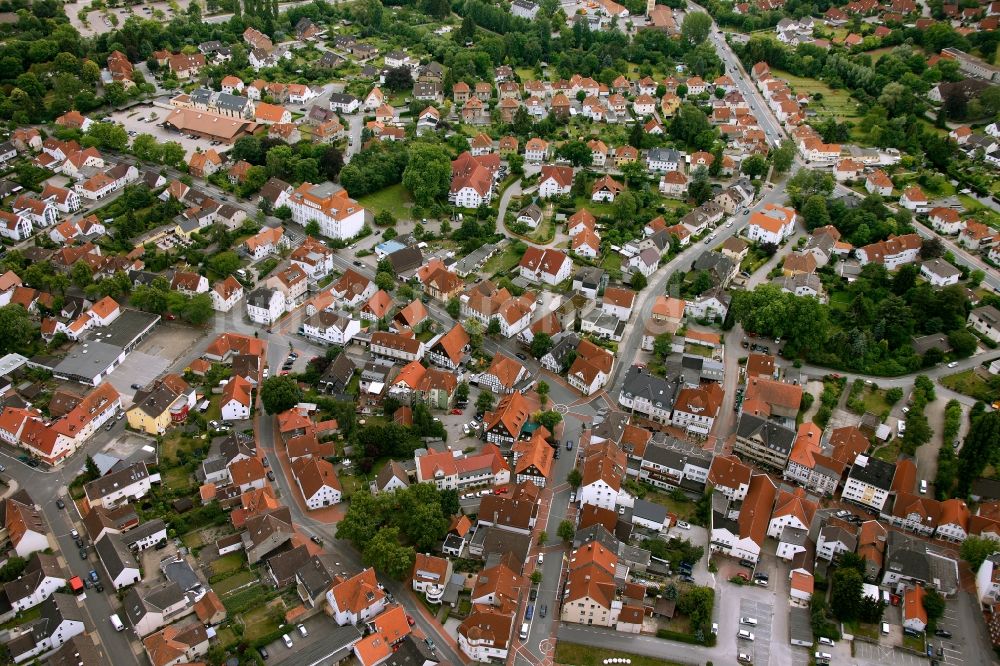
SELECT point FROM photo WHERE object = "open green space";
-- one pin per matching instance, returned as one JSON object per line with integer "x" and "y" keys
{"x": 837, "y": 103}
{"x": 502, "y": 262}
{"x": 228, "y": 563}
{"x": 584, "y": 655}
{"x": 684, "y": 510}
{"x": 177, "y": 478}
{"x": 612, "y": 263}
{"x": 227, "y": 586}
{"x": 971, "y": 384}
{"x": 258, "y": 622}
{"x": 395, "y": 199}
{"x": 888, "y": 452}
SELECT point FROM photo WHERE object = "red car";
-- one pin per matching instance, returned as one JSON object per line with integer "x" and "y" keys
{"x": 499, "y": 491}
{"x": 409, "y": 620}
{"x": 456, "y": 412}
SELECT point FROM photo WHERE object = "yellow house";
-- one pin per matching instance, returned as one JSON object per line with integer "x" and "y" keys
{"x": 157, "y": 407}
{"x": 669, "y": 104}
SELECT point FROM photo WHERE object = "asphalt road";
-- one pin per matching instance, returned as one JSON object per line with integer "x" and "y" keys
{"x": 45, "y": 486}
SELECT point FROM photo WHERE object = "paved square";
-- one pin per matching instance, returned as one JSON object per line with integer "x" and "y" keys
{"x": 878, "y": 655}
{"x": 763, "y": 612}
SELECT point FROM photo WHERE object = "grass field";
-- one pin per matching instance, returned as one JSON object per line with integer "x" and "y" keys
{"x": 177, "y": 479}
{"x": 224, "y": 587}
{"x": 395, "y": 199}
{"x": 683, "y": 510}
{"x": 890, "y": 452}
{"x": 503, "y": 262}
{"x": 970, "y": 384}
{"x": 574, "y": 654}
{"x": 612, "y": 262}
{"x": 258, "y": 623}
{"x": 875, "y": 402}
{"x": 835, "y": 102}
{"x": 227, "y": 563}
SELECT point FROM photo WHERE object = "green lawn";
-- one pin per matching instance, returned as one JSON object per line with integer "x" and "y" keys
{"x": 224, "y": 587}
{"x": 192, "y": 539}
{"x": 875, "y": 402}
{"x": 889, "y": 452}
{"x": 970, "y": 384}
{"x": 840, "y": 300}
{"x": 834, "y": 102}
{"x": 915, "y": 643}
{"x": 612, "y": 263}
{"x": 584, "y": 655}
{"x": 870, "y": 631}
{"x": 227, "y": 563}
{"x": 258, "y": 623}
{"x": 503, "y": 262}
{"x": 395, "y": 199}
{"x": 177, "y": 479}
{"x": 683, "y": 510}
{"x": 598, "y": 209}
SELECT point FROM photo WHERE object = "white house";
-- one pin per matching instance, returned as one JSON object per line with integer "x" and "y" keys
{"x": 317, "y": 481}
{"x": 914, "y": 199}
{"x": 545, "y": 265}
{"x": 61, "y": 619}
{"x": 265, "y": 306}
{"x": 554, "y": 181}
{"x": 331, "y": 328}
{"x": 939, "y": 273}
{"x": 356, "y": 599}
{"x": 869, "y": 482}
{"x": 236, "y": 399}
{"x": 40, "y": 579}
{"x": 946, "y": 220}
{"x": 771, "y": 225}
{"x": 338, "y": 215}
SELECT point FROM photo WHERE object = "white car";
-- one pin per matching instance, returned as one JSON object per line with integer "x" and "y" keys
{"x": 288, "y": 640}
{"x": 745, "y": 635}
{"x": 823, "y": 640}
{"x": 953, "y": 364}
{"x": 750, "y": 621}
{"x": 684, "y": 526}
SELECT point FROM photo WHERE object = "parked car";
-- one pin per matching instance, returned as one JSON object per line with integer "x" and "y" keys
{"x": 316, "y": 540}
{"x": 60, "y": 504}
{"x": 943, "y": 633}
{"x": 749, "y": 621}
{"x": 544, "y": 611}
{"x": 263, "y": 653}
{"x": 288, "y": 640}
{"x": 410, "y": 621}
{"x": 302, "y": 630}
{"x": 83, "y": 553}
{"x": 683, "y": 525}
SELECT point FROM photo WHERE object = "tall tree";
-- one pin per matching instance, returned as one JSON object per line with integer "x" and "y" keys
{"x": 695, "y": 27}
{"x": 428, "y": 173}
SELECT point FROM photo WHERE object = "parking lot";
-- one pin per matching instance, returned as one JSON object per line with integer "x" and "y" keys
{"x": 760, "y": 647}
{"x": 99, "y": 22}
{"x": 145, "y": 119}
{"x": 152, "y": 357}
{"x": 952, "y": 647}
{"x": 879, "y": 655}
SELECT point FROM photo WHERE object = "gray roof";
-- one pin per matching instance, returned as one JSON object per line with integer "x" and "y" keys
{"x": 675, "y": 457}
{"x": 137, "y": 605}
{"x": 664, "y": 155}
{"x": 567, "y": 344}
{"x": 56, "y": 609}
{"x": 143, "y": 531}
{"x": 800, "y": 625}
{"x": 794, "y": 535}
{"x": 201, "y": 96}
{"x": 114, "y": 555}
{"x": 106, "y": 485}
{"x": 707, "y": 368}
{"x": 659, "y": 391}
{"x": 907, "y": 556}
{"x": 260, "y": 298}
{"x": 598, "y": 533}
{"x": 531, "y": 211}
{"x": 317, "y": 574}
{"x": 342, "y": 98}
{"x": 775, "y": 436}
{"x": 650, "y": 511}
{"x": 590, "y": 276}
{"x": 231, "y": 102}
{"x": 179, "y": 571}
{"x": 841, "y": 534}
{"x": 873, "y": 471}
